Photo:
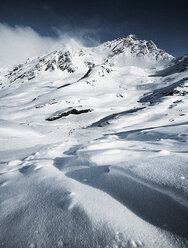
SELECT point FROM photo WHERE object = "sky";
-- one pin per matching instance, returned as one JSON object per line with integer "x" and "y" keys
{"x": 36, "y": 25}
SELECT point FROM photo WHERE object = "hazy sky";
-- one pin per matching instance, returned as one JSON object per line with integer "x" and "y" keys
{"x": 92, "y": 22}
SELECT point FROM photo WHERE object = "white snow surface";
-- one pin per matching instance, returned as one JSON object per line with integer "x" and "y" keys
{"x": 94, "y": 148}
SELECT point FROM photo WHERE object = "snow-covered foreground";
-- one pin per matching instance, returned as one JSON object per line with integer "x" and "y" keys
{"x": 93, "y": 148}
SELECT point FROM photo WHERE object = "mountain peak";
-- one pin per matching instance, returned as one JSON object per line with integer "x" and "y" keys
{"x": 131, "y": 48}
{"x": 132, "y": 36}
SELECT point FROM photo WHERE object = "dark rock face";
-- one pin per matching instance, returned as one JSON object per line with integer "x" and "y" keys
{"x": 66, "y": 113}
{"x": 61, "y": 61}
{"x": 64, "y": 62}
{"x": 86, "y": 75}
{"x": 50, "y": 65}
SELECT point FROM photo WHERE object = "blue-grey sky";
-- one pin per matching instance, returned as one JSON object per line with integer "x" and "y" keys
{"x": 163, "y": 21}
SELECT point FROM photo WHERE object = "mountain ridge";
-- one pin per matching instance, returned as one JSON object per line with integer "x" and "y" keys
{"x": 123, "y": 51}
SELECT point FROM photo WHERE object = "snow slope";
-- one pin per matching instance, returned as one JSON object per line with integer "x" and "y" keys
{"x": 93, "y": 148}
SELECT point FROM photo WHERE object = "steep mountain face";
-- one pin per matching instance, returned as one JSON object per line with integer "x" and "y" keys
{"x": 94, "y": 148}
{"x": 76, "y": 59}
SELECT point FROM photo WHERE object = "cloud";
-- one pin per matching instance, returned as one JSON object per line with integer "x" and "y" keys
{"x": 85, "y": 36}
{"x": 18, "y": 43}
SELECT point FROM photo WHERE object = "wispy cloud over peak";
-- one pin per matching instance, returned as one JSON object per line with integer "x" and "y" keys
{"x": 17, "y": 43}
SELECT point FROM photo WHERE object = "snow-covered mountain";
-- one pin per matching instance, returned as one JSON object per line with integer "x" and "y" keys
{"x": 94, "y": 148}
{"x": 77, "y": 59}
